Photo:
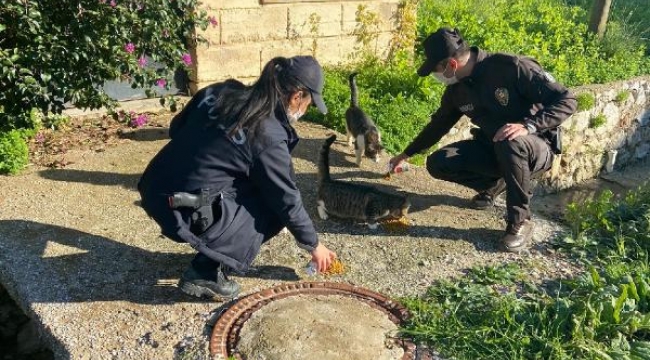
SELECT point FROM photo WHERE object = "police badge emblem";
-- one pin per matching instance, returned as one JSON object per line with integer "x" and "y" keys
{"x": 501, "y": 94}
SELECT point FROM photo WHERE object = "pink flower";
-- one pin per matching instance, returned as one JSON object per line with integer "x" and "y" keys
{"x": 142, "y": 61}
{"x": 161, "y": 82}
{"x": 187, "y": 59}
{"x": 139, "y": 120}
{"x": 130, "y": 48}
{"x": 113, "y": 3}
{"x": 213, "y": 21}
{"x": 40, "y": 137}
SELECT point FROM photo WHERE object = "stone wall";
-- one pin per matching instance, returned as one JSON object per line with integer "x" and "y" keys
{"x": 251, "y": 32}
{"x": 607, "y": 136}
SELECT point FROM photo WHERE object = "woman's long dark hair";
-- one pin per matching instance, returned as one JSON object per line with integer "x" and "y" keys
{"x": 246, "y": 106}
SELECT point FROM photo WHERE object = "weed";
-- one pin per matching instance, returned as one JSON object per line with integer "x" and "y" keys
{"x": 586, "y": 101}
{"x": 55, "y": 121}
{"x": 14, "y": 153}
{"x": 597, "y": 121}
{"x": 622, "y": 96}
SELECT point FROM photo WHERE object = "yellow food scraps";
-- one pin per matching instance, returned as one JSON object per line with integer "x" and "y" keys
{"x": 336, "y": 268}
{"x": 387, "y": 176}
{"x": 400, "y": 224}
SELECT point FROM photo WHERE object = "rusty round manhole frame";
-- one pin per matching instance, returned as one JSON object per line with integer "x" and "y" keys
{"x": 225, "y": 334}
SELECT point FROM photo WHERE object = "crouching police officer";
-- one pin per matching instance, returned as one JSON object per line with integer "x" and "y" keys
{"x": 225, "y": 182}
{"x": 517, "y": 107}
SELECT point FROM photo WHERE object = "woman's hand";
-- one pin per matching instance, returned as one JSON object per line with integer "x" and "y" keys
{"x": 322, "y": 257}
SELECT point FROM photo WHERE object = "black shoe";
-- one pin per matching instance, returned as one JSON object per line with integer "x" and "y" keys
{"x": 482, "y": 201}
{"x": 215, "y": 286}
{"x": 518, "y": 236}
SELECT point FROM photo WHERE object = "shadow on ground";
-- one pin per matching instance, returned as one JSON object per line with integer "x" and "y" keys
{"x": 128, "y": 181}
{"x": 76, "y": 266}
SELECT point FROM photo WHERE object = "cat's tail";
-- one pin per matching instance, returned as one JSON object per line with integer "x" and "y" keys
{"x": 324, "y": 160}
{"x": 354, "y": 99}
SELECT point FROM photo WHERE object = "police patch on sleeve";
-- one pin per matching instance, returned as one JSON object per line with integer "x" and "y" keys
{"x": 548, "y": 77}
{"x": 502, "y": 96}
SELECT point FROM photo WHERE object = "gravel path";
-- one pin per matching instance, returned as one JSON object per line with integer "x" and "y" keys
{"x": 82, "y": 258}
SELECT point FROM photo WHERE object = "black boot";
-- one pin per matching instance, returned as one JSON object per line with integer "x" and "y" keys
{"x": 485, "y": 199}
{"x": 208, "y": 285}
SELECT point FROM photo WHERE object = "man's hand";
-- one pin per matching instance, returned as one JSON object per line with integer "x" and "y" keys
{"x": 322, "y": 257}
{"x": 510, "y": 131}
{"x": 395, "y": 161}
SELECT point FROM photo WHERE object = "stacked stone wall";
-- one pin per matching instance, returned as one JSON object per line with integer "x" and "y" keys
{"x": 251, "y": 32}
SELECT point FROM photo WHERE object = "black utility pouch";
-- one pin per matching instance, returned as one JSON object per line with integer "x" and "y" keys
{"x": 554, "y": 138}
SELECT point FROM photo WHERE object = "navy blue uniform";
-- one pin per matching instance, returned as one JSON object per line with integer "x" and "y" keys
{"x": 251, "y": 183}
{"x": 501, "y": 89}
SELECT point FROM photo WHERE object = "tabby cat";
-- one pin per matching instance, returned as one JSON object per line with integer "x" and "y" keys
{"x": 345, "y": 199}
{"x": 360, "y": 128}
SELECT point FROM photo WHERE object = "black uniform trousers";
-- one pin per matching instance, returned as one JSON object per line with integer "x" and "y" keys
{"x": 487, "y": 166}
{"x": 206, "y": 266}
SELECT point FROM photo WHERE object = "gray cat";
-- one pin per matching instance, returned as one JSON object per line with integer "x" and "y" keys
{"x": 360, "y": 128}
{"x": 348, "y": 200}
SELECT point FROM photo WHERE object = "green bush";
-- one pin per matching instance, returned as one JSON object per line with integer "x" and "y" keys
{"x": 14, "y": 153}
{"x": 55, "y": 52}
{"x": 548, "y": 30}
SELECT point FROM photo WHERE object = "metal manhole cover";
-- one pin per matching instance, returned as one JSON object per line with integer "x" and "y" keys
{"x": 227, "y": 330}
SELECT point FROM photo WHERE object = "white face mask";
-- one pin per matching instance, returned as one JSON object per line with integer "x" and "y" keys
{"x": 445, "y": 80}
{"x": 295, "y": 116}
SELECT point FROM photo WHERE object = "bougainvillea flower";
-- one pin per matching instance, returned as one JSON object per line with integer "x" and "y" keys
{"x": 161, "y": 82}
{"x": 139, "y": 120}
{"x": 130, "y": 48}
{"x": 187, "y": 59}
{"x": 113, "y": 3}
{"x": 142, "y": 61}
{"x": 213, "y": 21}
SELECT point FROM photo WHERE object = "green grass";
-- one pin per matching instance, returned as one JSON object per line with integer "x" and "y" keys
{"x": 497, "y": 313}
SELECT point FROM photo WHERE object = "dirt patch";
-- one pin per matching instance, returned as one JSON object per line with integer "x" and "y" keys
{"x": 318, "y": 327}
{"x": 56, "y": 148}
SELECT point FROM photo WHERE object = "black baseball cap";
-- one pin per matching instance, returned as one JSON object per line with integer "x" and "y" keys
{"x": 438, "y": 46}
{"x": 309, "y": 72}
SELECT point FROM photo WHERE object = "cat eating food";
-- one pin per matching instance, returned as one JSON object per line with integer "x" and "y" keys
{"x": 349, "y": 200}
{"x": 360, "y": 128}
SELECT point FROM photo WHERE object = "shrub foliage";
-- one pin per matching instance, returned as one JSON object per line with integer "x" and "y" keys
{"x": 57, "y": 52}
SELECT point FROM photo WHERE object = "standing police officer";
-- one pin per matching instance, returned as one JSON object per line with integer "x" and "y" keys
{"x": 225, "y": 181}
{"x": 517, "y": 107}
